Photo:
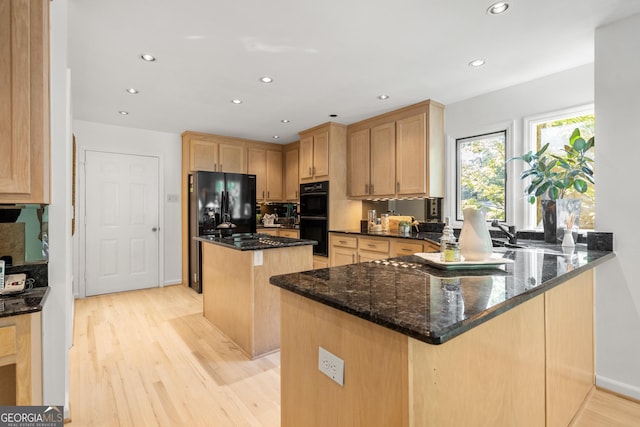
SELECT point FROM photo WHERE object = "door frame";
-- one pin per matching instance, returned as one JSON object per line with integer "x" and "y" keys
{"x": 81, "y": 214}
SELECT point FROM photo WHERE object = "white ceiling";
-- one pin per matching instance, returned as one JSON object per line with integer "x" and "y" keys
{"x": 325, "y": 56}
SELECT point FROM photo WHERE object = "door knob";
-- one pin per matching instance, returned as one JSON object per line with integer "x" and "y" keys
{"x": 154, "y": 229}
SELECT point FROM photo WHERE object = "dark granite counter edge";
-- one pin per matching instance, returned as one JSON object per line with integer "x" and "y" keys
{"x": 458, "y": 329}
{"x": 259, "y": 247}
{"x": 25, "y": 309}
{"x": 421, "y": 236}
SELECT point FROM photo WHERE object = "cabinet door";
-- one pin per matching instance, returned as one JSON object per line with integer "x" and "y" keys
{"x": 203, "y": 156}
{"x": 358, "y": 163}
{"x": 383, "y": 158}
{"x": 232, "y": 159}
{"x": 24, "y": 103}
{"x": 274, "y": 175}
{"x": 306, "y": 157}
{"x": 411, "y": 145}
{"x": 292, "y": 184}
{"x": 343, "y": 256}
{"x": 257, "y": 165}
{"x": 321, "y": 155}
{"x": 366, "y": 256}
{"x": 292, "y": 234}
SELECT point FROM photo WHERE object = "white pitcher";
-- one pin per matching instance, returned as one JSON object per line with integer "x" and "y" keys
{"x": 475, "y": 240}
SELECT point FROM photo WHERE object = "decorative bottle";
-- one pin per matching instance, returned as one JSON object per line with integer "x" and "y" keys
{"x": 475, "y": 240}
{"x": 447, "y": 235}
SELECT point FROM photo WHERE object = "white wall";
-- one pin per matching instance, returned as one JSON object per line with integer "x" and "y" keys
{"x": 56, "y": 321}
{"x": 165, "y": 146}
{"x": 617, "y": 90}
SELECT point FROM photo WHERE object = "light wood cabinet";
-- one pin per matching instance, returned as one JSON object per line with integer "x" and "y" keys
{"x": 210, "y": 153}
{"x": 314, "y": 156}
{"x": 398, "y": 154}
{"x": 266, "y": 165}
{"x": 24, "y": 104}
{"x": 291, "y": 175}
{"x": 349, "y": 249}
{"x": 21, "y": 359}
{"x": 292, "y": 234}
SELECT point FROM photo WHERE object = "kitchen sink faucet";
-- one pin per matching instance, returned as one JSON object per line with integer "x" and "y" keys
{"x": 509, "y": 231}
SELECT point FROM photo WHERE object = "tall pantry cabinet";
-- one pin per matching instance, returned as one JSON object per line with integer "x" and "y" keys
{"x": 24, "y": 103}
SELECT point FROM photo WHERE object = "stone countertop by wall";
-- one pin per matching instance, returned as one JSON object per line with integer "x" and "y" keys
{"x": 408, "y": 295}
{"x": 25, "y": 302}
{"x": 255, "y": 241}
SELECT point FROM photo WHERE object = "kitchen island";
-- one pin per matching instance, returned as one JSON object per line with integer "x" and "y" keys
{"x": 425, "y": 346}
{"x": 237, "y": 297}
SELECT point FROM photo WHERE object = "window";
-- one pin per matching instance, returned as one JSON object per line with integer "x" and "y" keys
{"x": 556, "y": 130}
{"x": 481, "y": 175}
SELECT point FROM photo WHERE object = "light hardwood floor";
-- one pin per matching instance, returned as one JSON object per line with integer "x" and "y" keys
{"x": 149, "y": 358}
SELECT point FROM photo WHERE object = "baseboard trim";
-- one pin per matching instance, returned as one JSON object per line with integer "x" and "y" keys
{"x": 618, "y": 388}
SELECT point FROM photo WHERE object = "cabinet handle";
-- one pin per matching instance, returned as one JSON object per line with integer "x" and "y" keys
{"x": 405, "y": 250}
{"x": 371, "y": 245}
{"x": 215, "y": 167}
{"x": 296, "y": 194}
{"x": 366, "y": 189}
{"x": 268, "y": 194}
{"x": 371, "y": 188}
{"x": 263, "y": 194}
{"x": 314, "y": 170}
{"x": 310, "y": 170}
{"x": 220, "y": 167}
{"x": 344, "y": 242}
{"x": 397, "y": 187}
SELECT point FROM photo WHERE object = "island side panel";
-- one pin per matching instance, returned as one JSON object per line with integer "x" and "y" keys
{"x": 227, "y": 291}
{"x": 375, "y": 374}
{"x": 492, "y": 375}
{"x": 267, "y": 297}
{"x": 570, "y": 362}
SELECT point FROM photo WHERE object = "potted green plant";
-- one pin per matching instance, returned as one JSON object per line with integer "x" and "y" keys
{"x": 553, "y": 175}
{"x": 404, "y": 227}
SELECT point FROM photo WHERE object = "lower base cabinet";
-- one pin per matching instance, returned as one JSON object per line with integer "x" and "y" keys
{"x": 349, "y": 249}
{"x": 21, "y": 360}
{"x": 529, "y": 366}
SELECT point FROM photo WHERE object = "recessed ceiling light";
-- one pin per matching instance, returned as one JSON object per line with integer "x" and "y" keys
{"x": 123, "y": 113}
{"x": 498, "y": 8}
{"x": 266, "y": 79}
{"x": 236, "y": 101}
{"x": 132, "y": 91}
{"x": 383, "y": 96}
{"x": 148, "y": 57}
{"x": 476, "y": 63}
{"x": 285, "y": 121}
{"x": 276, "y": 136}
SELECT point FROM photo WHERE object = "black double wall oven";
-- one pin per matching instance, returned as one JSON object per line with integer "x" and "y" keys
{"x": 314, "y": 212}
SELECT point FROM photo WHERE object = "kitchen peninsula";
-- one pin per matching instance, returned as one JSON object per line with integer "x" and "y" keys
{"x": 428, "y": 346}
{"x": 237, "y": 297}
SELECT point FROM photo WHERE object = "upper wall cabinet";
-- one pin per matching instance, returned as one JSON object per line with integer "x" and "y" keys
{"x": 214, "y": 153}
{"x": 314, "y": 155}
{"x": 291, "y": 173}
{"x": 266, "y": 165}
{"x": 24, "y": 101}
{"x": 398, "y": 154}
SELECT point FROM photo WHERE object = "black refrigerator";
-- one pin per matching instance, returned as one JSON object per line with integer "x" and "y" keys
{"x": 213, "y": 198}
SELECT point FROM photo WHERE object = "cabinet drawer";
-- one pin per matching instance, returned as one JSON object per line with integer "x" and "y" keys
{"x": 345, "y": 241}
{"x": 293, "y": 234}
{"x": 8, "y": 341}
{"x": 374, "y": 245}
{"x": 408, "y": 248}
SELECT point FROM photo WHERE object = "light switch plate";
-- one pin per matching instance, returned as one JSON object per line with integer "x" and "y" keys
{"x": 257, "y": 258}
{"x": 331, "y": 365}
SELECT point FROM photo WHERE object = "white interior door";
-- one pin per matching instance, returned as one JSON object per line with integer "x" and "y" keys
{"x": 121, "y": 222}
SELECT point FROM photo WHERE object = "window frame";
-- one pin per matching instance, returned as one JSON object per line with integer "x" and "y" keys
{"x": 451, "y": 183}
{"x": 457, "y": 213}
{"x": 530, "y": 140}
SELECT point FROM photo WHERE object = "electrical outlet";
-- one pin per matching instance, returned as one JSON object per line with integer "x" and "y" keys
{"x": 331, "y": 365}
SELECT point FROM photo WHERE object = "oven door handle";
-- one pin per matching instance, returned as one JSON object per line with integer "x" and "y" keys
{"x": 302, "y": 217}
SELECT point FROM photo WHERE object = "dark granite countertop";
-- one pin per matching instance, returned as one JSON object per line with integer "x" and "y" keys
{"x": 255, "y": 241}
{"x": 278, "y": 226}
{"x": 423, "y": 235}
{"x": 25, "y": 302}
{"x": 434, "y": 305}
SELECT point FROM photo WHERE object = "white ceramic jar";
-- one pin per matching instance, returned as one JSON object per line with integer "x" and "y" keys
{"x": 475, "y": 240}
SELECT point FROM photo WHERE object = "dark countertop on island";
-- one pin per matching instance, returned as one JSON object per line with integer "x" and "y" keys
{"x": 255, "y": 241}
{"x": 433, "y": 305}
{"x": 29, "y": 301}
